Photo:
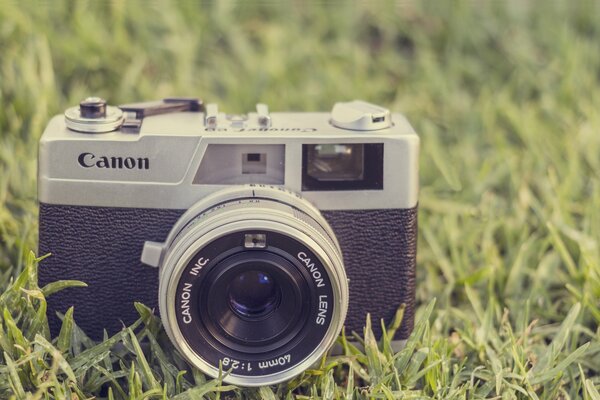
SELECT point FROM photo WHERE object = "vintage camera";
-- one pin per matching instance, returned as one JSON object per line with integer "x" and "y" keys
{"x": 270, "y": 231}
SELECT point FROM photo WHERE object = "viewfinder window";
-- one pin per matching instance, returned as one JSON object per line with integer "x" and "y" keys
{"x": 343, "y": 166}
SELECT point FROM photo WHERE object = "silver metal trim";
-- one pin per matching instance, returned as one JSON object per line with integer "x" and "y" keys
{"x": 168, "y": 183}
{"x": 112, "y": 121}
{"x": 232, "y": 193}
{"x": 255, "y": 241}
{"x": 360, "y": 116}
{"x": 210, "y": 116}
{"x": 264, "y": 119}
{"x": 270, "y": 215}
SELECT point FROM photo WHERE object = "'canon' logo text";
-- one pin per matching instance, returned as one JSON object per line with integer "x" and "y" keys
{"x": 89, "y": 160}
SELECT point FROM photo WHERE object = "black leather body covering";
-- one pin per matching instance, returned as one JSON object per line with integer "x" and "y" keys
{"x": 102, "y": 246}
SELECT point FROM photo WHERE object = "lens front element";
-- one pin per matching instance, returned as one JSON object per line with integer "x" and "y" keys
{"x": 253, "y": 294}
{"x": 263, "y": 313}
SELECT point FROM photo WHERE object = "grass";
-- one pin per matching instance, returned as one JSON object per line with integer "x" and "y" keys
{"x": 505, "y": 96}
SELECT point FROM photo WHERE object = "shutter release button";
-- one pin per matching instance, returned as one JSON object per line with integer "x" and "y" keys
{"x": 359, "y": 115}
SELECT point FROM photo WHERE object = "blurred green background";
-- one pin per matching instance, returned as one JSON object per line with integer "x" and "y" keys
{"x": 505, "y": 96}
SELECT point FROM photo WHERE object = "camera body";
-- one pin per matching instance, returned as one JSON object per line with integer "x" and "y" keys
{"x": 114, "y": 182}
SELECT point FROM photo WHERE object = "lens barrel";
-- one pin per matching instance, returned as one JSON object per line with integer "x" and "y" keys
{"x": 253, "y": 283}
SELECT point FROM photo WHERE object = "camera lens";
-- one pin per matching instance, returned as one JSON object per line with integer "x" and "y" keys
{"x": 253, "y": 301}
{"x": 253, "y": 294}
{"x": 253, "y": 283}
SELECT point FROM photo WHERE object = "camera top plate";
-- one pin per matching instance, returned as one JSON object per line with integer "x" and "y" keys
{"x": 158, "y": 166}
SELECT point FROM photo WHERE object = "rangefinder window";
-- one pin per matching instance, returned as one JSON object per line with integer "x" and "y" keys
{"x": 234, "y": 164}
{"x": 343, "y": 166}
